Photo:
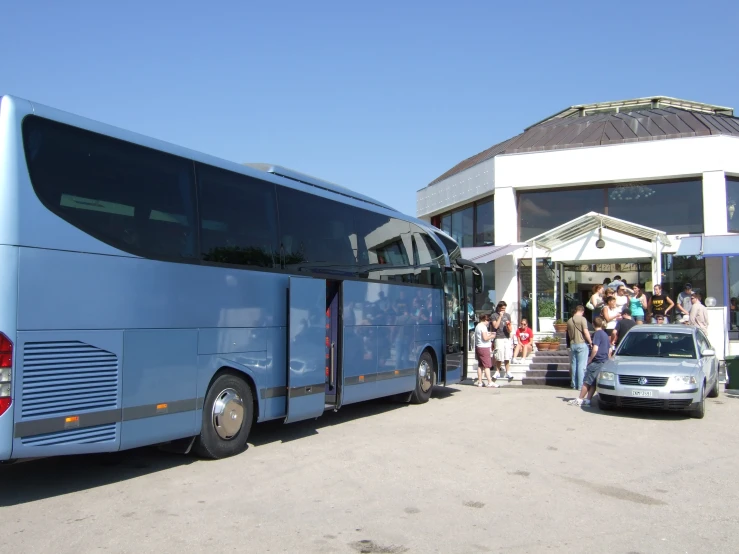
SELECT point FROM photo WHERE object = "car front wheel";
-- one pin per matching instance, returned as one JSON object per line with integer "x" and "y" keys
{"x": 699, "y": 410}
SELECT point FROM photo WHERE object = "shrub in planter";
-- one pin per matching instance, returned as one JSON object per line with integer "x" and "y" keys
{"x": 547, "y": 308}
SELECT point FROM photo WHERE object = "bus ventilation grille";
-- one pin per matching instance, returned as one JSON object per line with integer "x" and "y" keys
{"x": 89, "y": 435}
{"x": 63, "y": 378}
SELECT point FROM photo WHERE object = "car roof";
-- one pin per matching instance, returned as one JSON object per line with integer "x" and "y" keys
{"x": 667, "y": 327}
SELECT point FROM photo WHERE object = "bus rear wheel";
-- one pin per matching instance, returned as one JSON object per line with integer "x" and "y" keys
{"x": 228, "y": 413}
{"x": 425, "y": 378}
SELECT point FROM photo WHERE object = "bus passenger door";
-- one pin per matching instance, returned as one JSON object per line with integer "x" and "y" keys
{"x": 455, "y": 310}
{"x": 306, "y": 348}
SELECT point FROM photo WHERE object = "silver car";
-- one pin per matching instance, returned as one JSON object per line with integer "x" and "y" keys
{"x": 666, "y": 367}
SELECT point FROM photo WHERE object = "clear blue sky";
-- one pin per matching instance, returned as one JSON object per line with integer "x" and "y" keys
{"x": 381, "y": 97}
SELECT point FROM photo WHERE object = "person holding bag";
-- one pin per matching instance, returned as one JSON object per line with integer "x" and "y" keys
{"x": 578, "y": 341}
{"x": 596, "y": 302}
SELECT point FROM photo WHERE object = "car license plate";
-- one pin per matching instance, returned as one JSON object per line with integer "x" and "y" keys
{"x": 641, "y": 393}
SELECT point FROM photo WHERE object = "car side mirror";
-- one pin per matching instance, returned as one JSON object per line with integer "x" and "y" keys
{"x": 708, "y": 352}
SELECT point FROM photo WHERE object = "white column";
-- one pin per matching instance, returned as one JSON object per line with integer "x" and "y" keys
{"x": 657, "y": 264}
{"x": 534, "y": 310}
{"x": 561, "y": 290}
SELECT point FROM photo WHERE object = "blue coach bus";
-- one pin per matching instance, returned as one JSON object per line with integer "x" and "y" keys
{"x": 151, "y": 294}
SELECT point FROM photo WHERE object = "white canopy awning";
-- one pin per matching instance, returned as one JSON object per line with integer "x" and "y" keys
{"x": 709, "y": 247}
{"x": 484, "y": 254}
{"x": 593, "y": 221}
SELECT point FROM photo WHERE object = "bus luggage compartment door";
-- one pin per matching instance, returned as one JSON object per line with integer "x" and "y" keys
{"x": 306, "y": 349}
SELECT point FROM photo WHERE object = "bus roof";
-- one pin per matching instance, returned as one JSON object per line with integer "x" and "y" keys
{"x": 316, "y": 182}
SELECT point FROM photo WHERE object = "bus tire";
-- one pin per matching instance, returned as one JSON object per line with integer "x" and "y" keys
{"x": 228, "y": 412}
{"x": 425, "y": 379}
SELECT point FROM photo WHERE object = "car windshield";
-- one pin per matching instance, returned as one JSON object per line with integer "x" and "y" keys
{"x": 658, "y": 345}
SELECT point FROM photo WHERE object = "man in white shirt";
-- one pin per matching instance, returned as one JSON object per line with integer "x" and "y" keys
{"x": 684, "y": 303}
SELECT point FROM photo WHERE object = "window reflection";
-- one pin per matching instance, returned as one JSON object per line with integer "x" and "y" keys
{"x": 484, "y": 230}
{"x": 541, "y": 211}
{"x": 462, "y": 227}
{"x": 670, "y": 207}
{"x": 732, "y": 203}
{"x": 674, "y": 208}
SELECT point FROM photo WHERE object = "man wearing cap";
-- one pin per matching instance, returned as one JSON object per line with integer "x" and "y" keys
{"x": 683, "y": 301}
{"x": 659, "y": 319}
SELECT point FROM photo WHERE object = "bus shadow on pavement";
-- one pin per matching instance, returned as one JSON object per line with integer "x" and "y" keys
{"x": 44, "y": 478}
{"x": 277, "y": 431}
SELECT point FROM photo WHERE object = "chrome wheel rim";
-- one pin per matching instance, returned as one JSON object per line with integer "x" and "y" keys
{"x": 425, "y": 376}
{"x": 228, "y": 414}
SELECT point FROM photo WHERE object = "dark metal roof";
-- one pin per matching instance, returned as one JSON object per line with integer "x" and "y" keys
{"x": 607, "y": 128}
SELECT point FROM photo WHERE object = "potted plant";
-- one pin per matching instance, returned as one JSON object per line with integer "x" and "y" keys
{"x": 542, "y": 345}
{"x": 560, "y": 326}
{"x": 547, "y": 313}
{"x": 553, "y": 343}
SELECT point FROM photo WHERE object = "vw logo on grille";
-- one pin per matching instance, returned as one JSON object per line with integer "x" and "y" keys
{"x": 642, "y": 380}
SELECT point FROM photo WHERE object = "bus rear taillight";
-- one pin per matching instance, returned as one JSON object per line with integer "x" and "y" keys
{"x": 6, "y": 373}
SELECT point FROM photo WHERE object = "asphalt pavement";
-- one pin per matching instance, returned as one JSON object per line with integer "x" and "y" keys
{"x": 474, "y": 470}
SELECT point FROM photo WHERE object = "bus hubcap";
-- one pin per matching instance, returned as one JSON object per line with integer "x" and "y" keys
{"x": 228, "y": 414}
{"x": 425, "y": 375}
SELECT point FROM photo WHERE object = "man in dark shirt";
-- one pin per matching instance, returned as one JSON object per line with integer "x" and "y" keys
{"x": 598, "y": 358}
{"x": 622, "y": 326}
{"x": 502, "y": 349}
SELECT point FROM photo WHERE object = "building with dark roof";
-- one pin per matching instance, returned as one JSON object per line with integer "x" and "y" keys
{"x": 642, "y": 178}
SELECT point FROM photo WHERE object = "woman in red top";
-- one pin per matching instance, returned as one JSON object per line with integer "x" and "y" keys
{"x": 524, "y": 336}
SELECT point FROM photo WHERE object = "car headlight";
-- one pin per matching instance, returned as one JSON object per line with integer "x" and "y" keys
{"x": 684, "y": 379}
{"x": 607, "y": 376}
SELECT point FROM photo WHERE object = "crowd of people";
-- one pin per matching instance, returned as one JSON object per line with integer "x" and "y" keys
{"x": 616, "y": 309}
{"x": 611, "y": 298}
{"x": 496, "y": 342}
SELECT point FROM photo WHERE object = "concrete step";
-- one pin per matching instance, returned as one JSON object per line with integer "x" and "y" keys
{"x": 547, "y": 373}
{"x": 563, "y": 382}
{"x": 550, "y": 362}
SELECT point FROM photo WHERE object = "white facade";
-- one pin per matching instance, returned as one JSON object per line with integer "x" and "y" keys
{"x": 707, "y": 158}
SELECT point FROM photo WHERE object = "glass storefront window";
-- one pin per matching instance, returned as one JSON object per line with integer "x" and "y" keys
{"x": 670, "y": 207}
{"x": 484, "y": 302}
{"x": 541, "y": 211}
{"x": 674, "y": 208}
{"x": 734, "y": 293}
{"x": 545, "y": 281}
{"x": 462, "y": 226}
{"x": 678, "y": 270}
{"x": 446, "y": 224}
{"x": 484, "y": 229}
{"x": 732, "y": 204}
{"x": 471, "y": 225}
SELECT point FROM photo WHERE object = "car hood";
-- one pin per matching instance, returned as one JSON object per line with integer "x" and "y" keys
{"x": 628, "y": 365}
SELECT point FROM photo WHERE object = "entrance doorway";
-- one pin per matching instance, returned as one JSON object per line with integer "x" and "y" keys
{"x": 580, "y": 278}
{"x": 564, "y": 285}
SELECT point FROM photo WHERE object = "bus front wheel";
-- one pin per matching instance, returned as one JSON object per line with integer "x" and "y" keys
{"x": 425, "y": 377}
{"x": 227, "y": 417}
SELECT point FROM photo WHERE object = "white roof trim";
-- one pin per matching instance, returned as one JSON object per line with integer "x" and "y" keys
{"x": 593, "y": 221}
{"x": 484, "y": 254}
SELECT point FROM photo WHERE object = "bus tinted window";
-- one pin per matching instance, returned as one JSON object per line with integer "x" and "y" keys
{"x": 238, "y": 218}
{"x": 128, "y": 196}
{"x": 383, "y": 240}
{"x": 316, "y": 233}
